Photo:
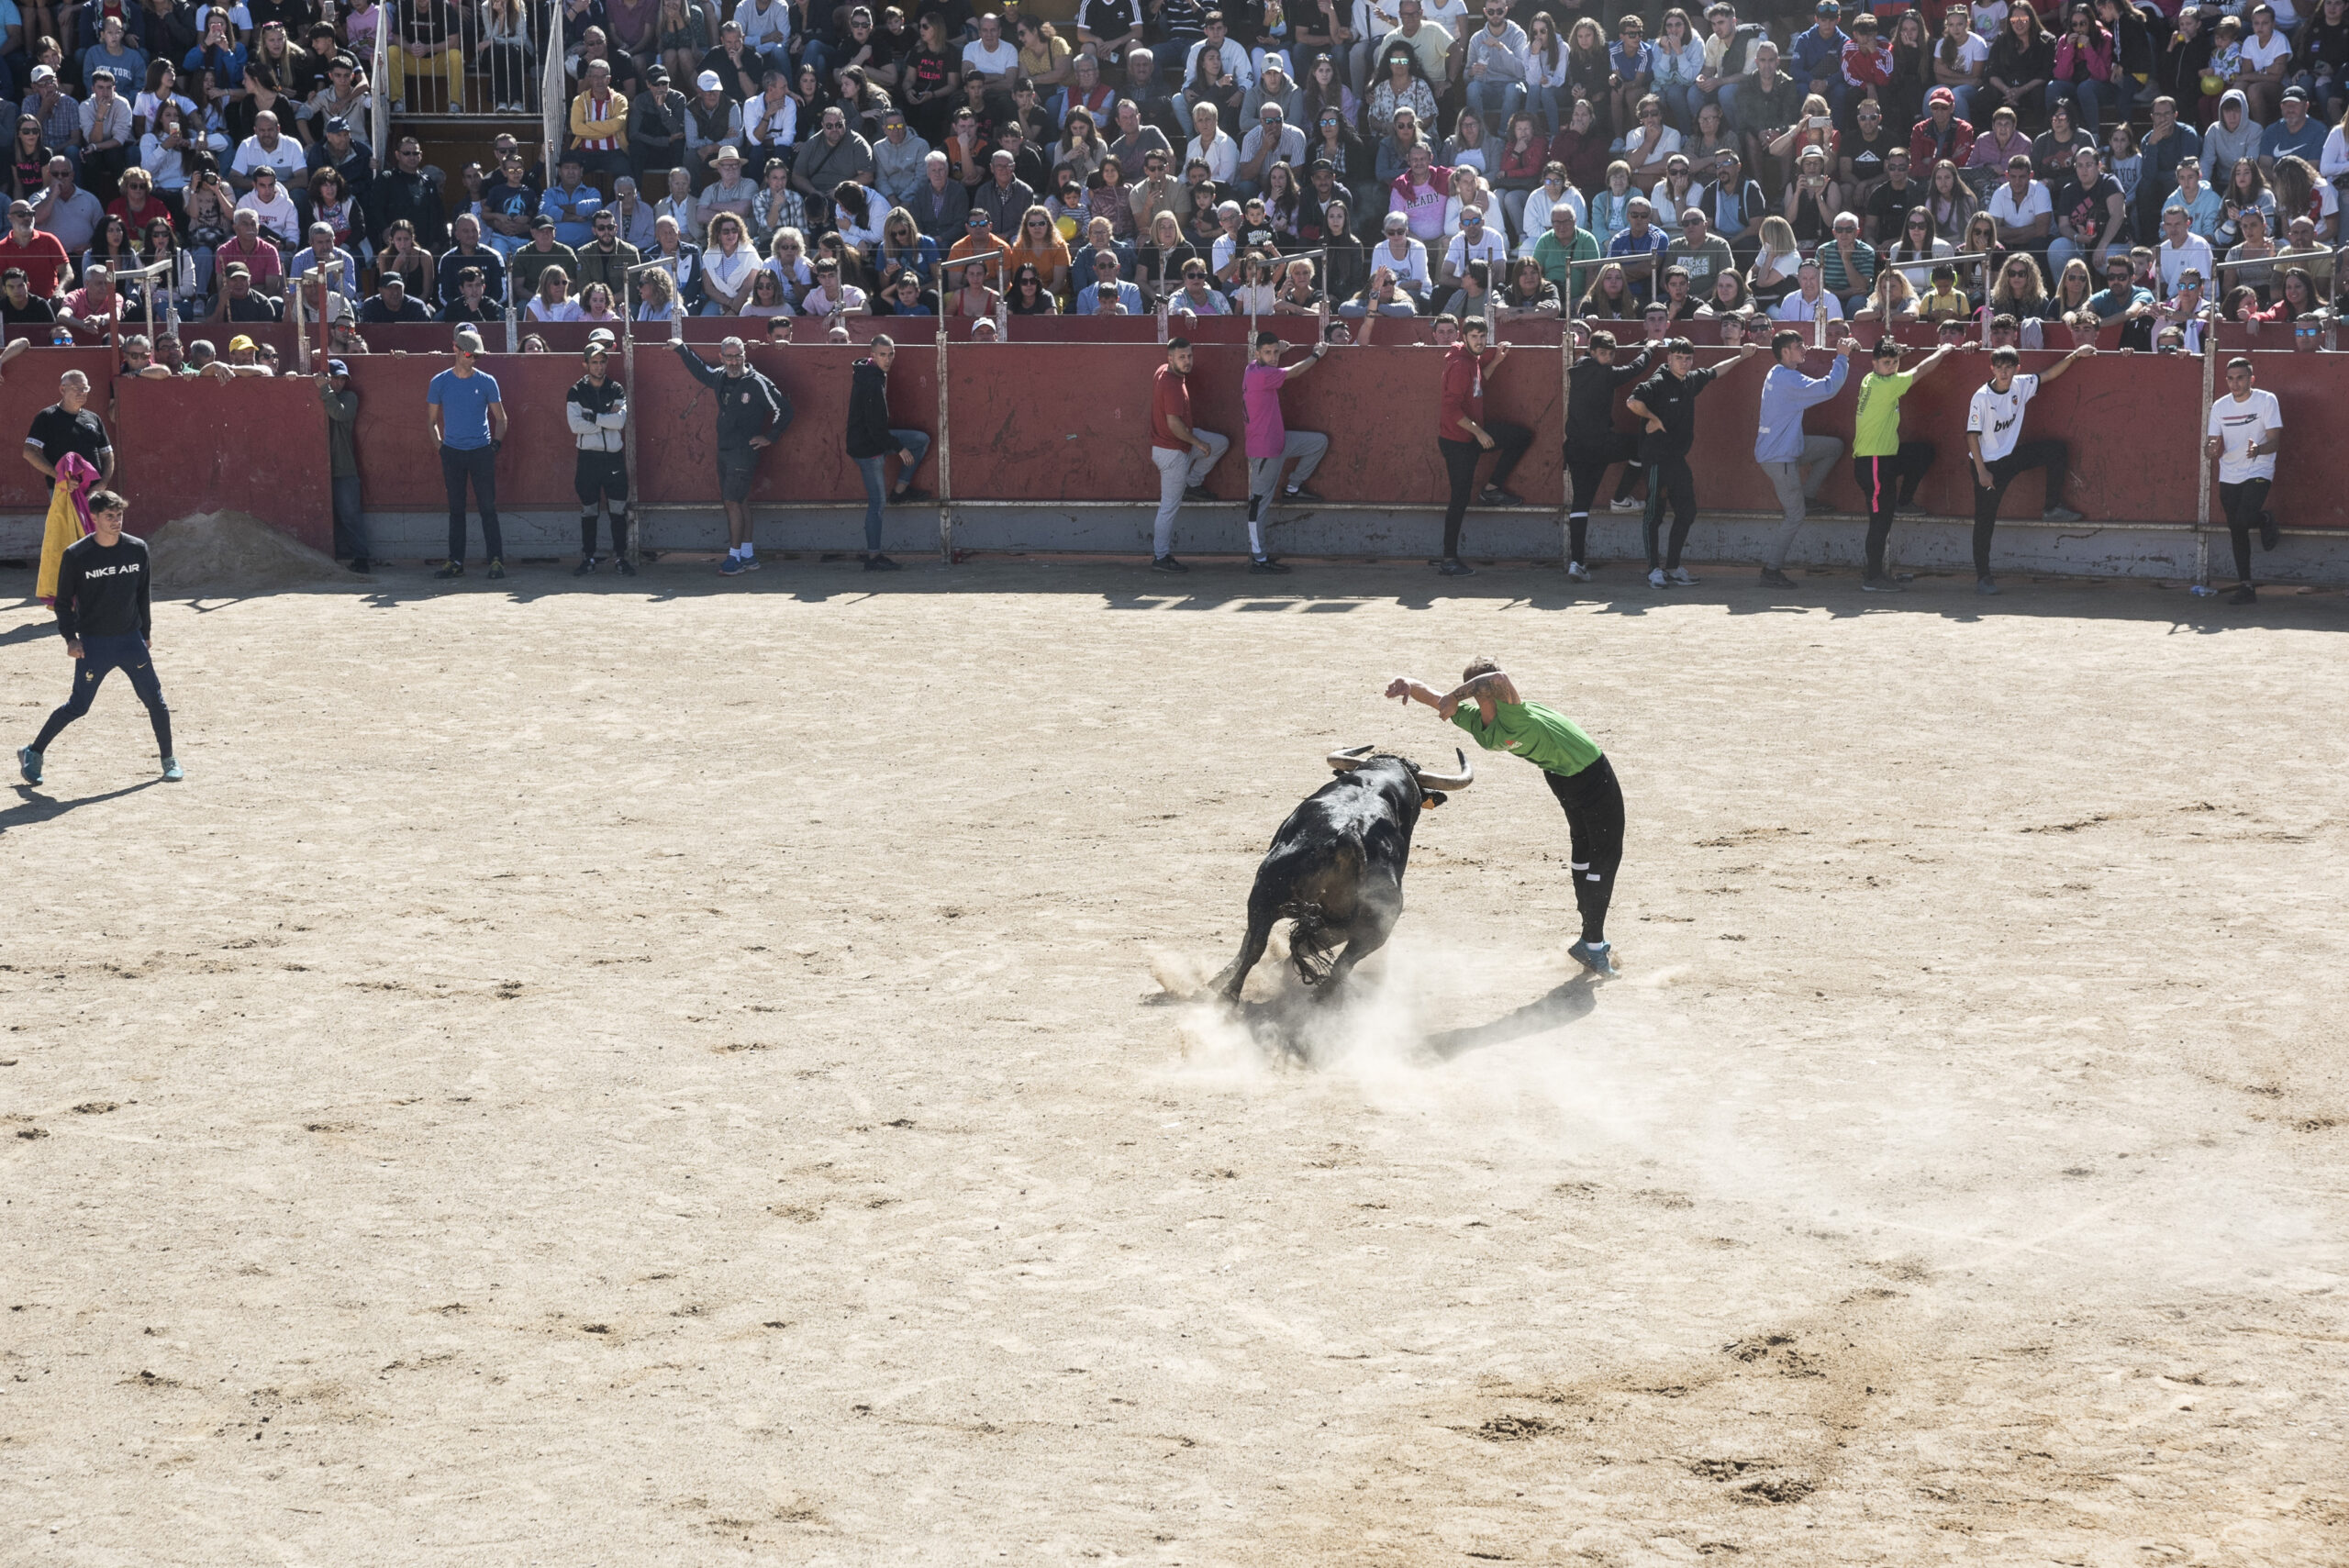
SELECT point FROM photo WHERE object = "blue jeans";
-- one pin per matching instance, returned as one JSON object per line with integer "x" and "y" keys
{"x": 2091, "y": 100}
{"x": 1482, "y": 97}
{"x": 1683, "y": 107}
{"x": 1544, "y": 102}
{"x": 873, "y": 469}
{"x": 350, "y": 520}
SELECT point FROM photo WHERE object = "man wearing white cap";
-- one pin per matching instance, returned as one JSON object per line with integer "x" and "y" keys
{"x": 712, "y": 120}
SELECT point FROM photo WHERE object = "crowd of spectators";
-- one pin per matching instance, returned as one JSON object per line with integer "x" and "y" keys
{"x": 1356, "y": 157}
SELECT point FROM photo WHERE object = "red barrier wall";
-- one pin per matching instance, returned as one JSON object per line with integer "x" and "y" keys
{"x": 677, "y": 426}
{"x": 202, "y": 446}
{"x": 185, "y": 446}
{"x": 31, "y": 386}
{"x": 1068, "y": 422}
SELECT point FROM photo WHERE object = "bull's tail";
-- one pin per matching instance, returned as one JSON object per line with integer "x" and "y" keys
{"x": 1312, "y": 942}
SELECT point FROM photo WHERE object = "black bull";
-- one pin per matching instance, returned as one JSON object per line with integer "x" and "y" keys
{"x": 1336, "y": 867}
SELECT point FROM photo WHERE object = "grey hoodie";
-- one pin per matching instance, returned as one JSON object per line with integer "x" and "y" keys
{"x": 2221, "y": 147}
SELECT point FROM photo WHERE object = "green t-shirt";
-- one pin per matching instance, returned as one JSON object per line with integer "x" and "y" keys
{"x": 1876, "y": 427}
{"x": 1558, "y": 263}
{"x": 1551, "y": 741}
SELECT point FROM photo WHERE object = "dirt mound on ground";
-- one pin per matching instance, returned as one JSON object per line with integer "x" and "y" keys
{"x": 233, "y": 552}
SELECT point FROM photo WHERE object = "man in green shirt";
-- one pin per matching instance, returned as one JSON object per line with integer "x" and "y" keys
{"x": 1565, "y": 244}
{"x": 1888, "y": 469}
{"x": 1487, "y": 706}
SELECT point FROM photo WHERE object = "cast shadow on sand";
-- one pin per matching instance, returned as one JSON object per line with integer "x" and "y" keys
{"x": 1307, "y": 1026}
{"x": 36, "y": 807}
{"x": 1565, "y": 1003}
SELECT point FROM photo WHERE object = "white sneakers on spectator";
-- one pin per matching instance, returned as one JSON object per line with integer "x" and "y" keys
{"x": 1577, "y": 571}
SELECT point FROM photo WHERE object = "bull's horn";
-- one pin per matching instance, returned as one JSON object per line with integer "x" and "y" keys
{"x": 1461, "y": 780}
{"x": 1347, "y": 761}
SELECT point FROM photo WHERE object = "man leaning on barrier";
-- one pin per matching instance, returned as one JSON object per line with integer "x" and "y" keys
{"x": 751, "y": 412}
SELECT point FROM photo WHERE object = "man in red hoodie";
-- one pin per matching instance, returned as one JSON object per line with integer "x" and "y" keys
{"x": 1463, "y": 435}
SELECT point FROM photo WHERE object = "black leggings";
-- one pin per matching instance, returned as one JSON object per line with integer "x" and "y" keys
{"x": 1669, "y": 480}
{"x": 1594, "y": 804}
{"x": 2048, "y": 455}
{"x": 100, "y": 655}
{"x": 1459, "y": 467}
{"x": 2246, "y": 507}
{"x": 1587, "y": 465}
{"x": 1887, "y": 482}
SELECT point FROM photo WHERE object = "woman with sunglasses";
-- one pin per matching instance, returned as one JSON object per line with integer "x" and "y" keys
{"x": 727, "y": 261}
{"x": 788, "y": 259}
{"x": 1918, "y": 247}
{"x": 553, "y": 301}
{"x": 905, "y": 248}
{"x": 930, "y": 80}
{"x": 2018, "y": 290}
{"x": 766, "y": 297}
{"x": 1401, "y": 85}
{"x": 1038, "y": 244}
{"x": 1030, "y": 295}
{"x": 656, "y": 294}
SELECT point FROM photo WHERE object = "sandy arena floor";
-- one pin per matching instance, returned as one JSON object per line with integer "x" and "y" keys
{"x": 680, "y": 1075}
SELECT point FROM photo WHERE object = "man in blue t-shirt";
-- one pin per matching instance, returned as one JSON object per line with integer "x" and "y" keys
{"x": 469, "y": 421}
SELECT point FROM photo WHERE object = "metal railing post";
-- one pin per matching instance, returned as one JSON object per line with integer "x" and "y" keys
{"x": 2202, "y": 490}
{"x": 627, "y": 378}
{"x": 945, "y": 460}
{"x": 1565, "y": 474}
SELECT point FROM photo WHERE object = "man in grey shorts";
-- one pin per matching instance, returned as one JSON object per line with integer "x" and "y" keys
{"x": 751, "y": 412}
{"x": 1271, "y": 443}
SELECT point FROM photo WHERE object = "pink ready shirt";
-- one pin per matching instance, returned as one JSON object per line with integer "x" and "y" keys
{"x": 1260, "y": 395}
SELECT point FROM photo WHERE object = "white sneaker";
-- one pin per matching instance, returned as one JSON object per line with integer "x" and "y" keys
{"x": 1577, "y": 571}
{"x": 1624, "y": 504}
{"x": 1656, "y": 579}
{"x": 1681, "y": 578}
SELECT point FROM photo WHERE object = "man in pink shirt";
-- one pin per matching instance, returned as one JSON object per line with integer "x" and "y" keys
{"x": 1271, "y": 443}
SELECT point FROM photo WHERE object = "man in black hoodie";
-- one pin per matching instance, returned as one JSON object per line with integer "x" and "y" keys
{"x": 1593, "y": 443}
{"x": 871, "y": 439}
{"x": 103, "y": 612}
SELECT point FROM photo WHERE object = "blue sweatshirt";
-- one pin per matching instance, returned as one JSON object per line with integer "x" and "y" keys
{"x": 1786, "y": 392}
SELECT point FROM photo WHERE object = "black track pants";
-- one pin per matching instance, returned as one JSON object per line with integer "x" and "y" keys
{"x": 1594, "y": 804}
